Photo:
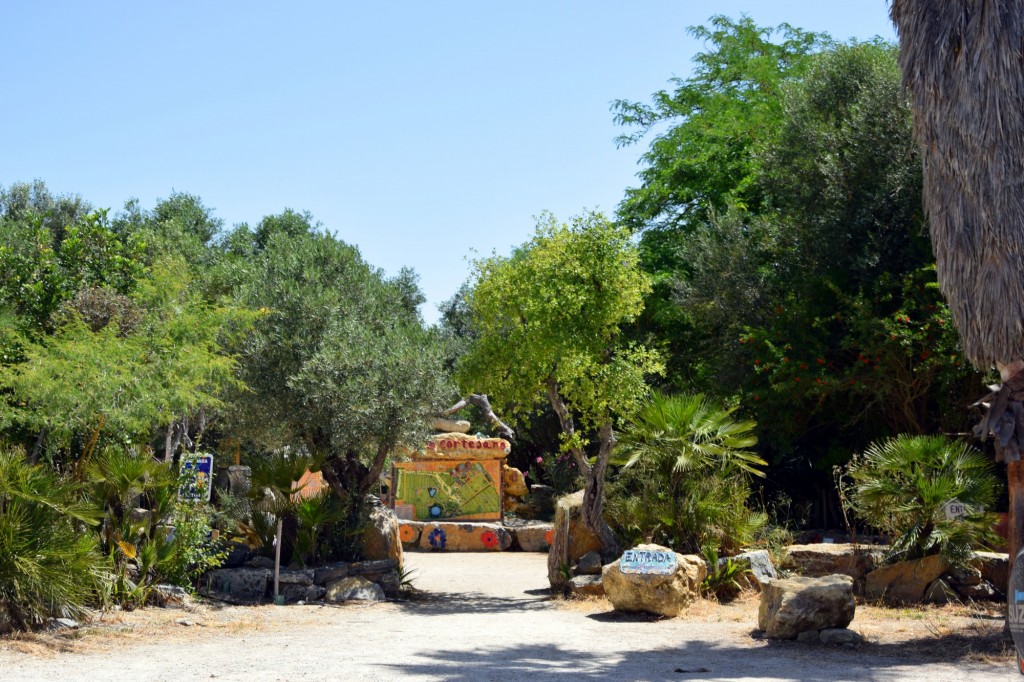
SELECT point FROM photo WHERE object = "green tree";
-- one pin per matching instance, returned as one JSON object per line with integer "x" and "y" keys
{"x": 720, "y": 122}
{"x": 549, "y": 323}
{"x": 339, "y": 364}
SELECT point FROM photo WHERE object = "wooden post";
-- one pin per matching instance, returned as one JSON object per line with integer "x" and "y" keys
{"x": 277, "y": 557}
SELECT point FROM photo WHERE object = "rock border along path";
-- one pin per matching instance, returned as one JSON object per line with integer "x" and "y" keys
{"x": 483, "y": 616}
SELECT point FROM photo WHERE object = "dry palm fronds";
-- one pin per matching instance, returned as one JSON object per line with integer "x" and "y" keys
{"x": 962, "y": 65}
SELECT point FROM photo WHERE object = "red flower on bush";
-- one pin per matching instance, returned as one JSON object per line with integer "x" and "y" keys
{"x": 489, "y": 538}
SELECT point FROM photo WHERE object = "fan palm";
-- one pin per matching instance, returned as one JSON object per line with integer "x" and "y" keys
{"x": 902, "y": 485}
{"x": 685, "y": 478}
{"x": 48, "y": 568}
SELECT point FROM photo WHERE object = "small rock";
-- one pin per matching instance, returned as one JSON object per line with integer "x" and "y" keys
{"x": 904, "y": 582}
{"x": 586, "y": 586}
{"x": 515, "y": 482}
{"x": 535, "y": 537}
{"x": 808, "y": 637}
{"x": 965, "y": 575}
{"x": 758, "y": 563}
{"x": 939, "y": 592}
{"x": 840, "y": 637}
{"x": 354, "y": 588}
{"x": 451, "y": 425}
{"x": 981, "y": 591}
{"x": 169, "y": 596}
{"x": 186, "y": 622}
{"x": 994, "y": 567}
{"x": 296, "y": 576}
{"x": 368, "y": 567}
{"x": 65, "y": 623}
{"x": 314, "y": 593}
{"x": 589, "y": 564}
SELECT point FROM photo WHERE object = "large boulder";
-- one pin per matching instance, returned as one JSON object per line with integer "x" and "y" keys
{"x": 794, "y": 605}
{"x": 571, "y": 539}
{"x": 904, "y": 582}
{"x": 381, "y": 539}
{"x": 330, "y": 573}
{"x": 664, "y": 594}
{"x": 994, "y": 567}
{"x": 237, "y": 585}
{"x": 822, "y": 559}
{"x": 354, "y": 588}
{"x": 465, "y": 537}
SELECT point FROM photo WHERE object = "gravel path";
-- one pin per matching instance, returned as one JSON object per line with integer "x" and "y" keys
{"x": 481, "y": 617}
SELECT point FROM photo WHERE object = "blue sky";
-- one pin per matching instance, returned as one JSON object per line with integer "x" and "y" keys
{"x": 421, "y": 132}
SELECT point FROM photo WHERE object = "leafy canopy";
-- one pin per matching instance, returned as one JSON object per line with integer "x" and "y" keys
{"x": 554, "y": 312}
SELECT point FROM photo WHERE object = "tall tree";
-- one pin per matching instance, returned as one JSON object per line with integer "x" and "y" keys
{"x": 549, "y": 326}
{"x": 339, "y": 364}
{"x": 961, "y": 63}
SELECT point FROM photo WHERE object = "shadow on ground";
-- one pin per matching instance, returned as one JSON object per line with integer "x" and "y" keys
{"x": 691, "y": 660}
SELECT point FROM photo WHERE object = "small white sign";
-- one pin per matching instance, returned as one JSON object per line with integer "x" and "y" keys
{"x": 955, "y": 509}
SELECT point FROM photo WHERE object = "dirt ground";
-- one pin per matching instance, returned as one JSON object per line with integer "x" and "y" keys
{"x": 489, "y": 617}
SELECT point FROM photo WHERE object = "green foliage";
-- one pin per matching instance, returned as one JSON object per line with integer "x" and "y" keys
{"x": 137, "y": 495}
{"x": 723, "y": 577}
{"x": 900, "y": 486}
{"x": 339, "y": 363}
{"x": 720, "y": 121}
{"x": 314, "y": 514}
{"x": 685, "y": 480}
{"x": 40, "y": 269}
{"x": 554, "y": 312}
{"x": 800, "y": 277}
{"x": 49, "y": 567}
{"x": 81, "y": 380}
{"x": 194, "y": 551}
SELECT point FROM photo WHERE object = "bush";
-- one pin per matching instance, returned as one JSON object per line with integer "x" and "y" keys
{"x": 49, "y": 567}
{"x": 901, "y": 485}
{"x": 685, "y": 477}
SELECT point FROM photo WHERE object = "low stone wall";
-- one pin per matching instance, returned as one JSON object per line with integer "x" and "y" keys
{"x": 930, "y": 580}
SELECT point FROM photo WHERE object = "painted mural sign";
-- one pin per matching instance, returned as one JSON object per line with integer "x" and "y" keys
{"x": 431, "y": 490}
{"x": 196, "y": 477}
{"x": 460, "y": 446}
{"x": 648, "y": 562}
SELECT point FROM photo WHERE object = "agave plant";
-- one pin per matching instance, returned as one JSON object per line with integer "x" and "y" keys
{"x": 901, "y": 486}
{"x": 48, "y": 567}
{"x": 685, "y": 479}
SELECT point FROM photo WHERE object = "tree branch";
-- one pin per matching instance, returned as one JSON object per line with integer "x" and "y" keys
{"x": 481, "y": 401}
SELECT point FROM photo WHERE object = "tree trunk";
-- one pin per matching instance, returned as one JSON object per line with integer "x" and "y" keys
{"x": 593, "y": 496}
{"x": 481, "y": 401}
{"x": 568, "y": 425}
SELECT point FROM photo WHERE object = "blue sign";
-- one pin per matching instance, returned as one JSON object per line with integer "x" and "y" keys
{"x": 650, "y": 562}
{"x": 196, "y": 478}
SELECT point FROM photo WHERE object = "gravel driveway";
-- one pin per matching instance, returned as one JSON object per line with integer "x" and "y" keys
{"x": 480, "y": 617}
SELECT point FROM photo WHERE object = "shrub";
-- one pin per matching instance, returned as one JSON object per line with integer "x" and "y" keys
{"x": 685, "y": 477}
{"x": 48, "y": 566}
{"x": 901, "y": 485}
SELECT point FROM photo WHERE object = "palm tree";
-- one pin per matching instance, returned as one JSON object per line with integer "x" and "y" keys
{"x": 686, "y": 474}
{"x": 962, "y": 67}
